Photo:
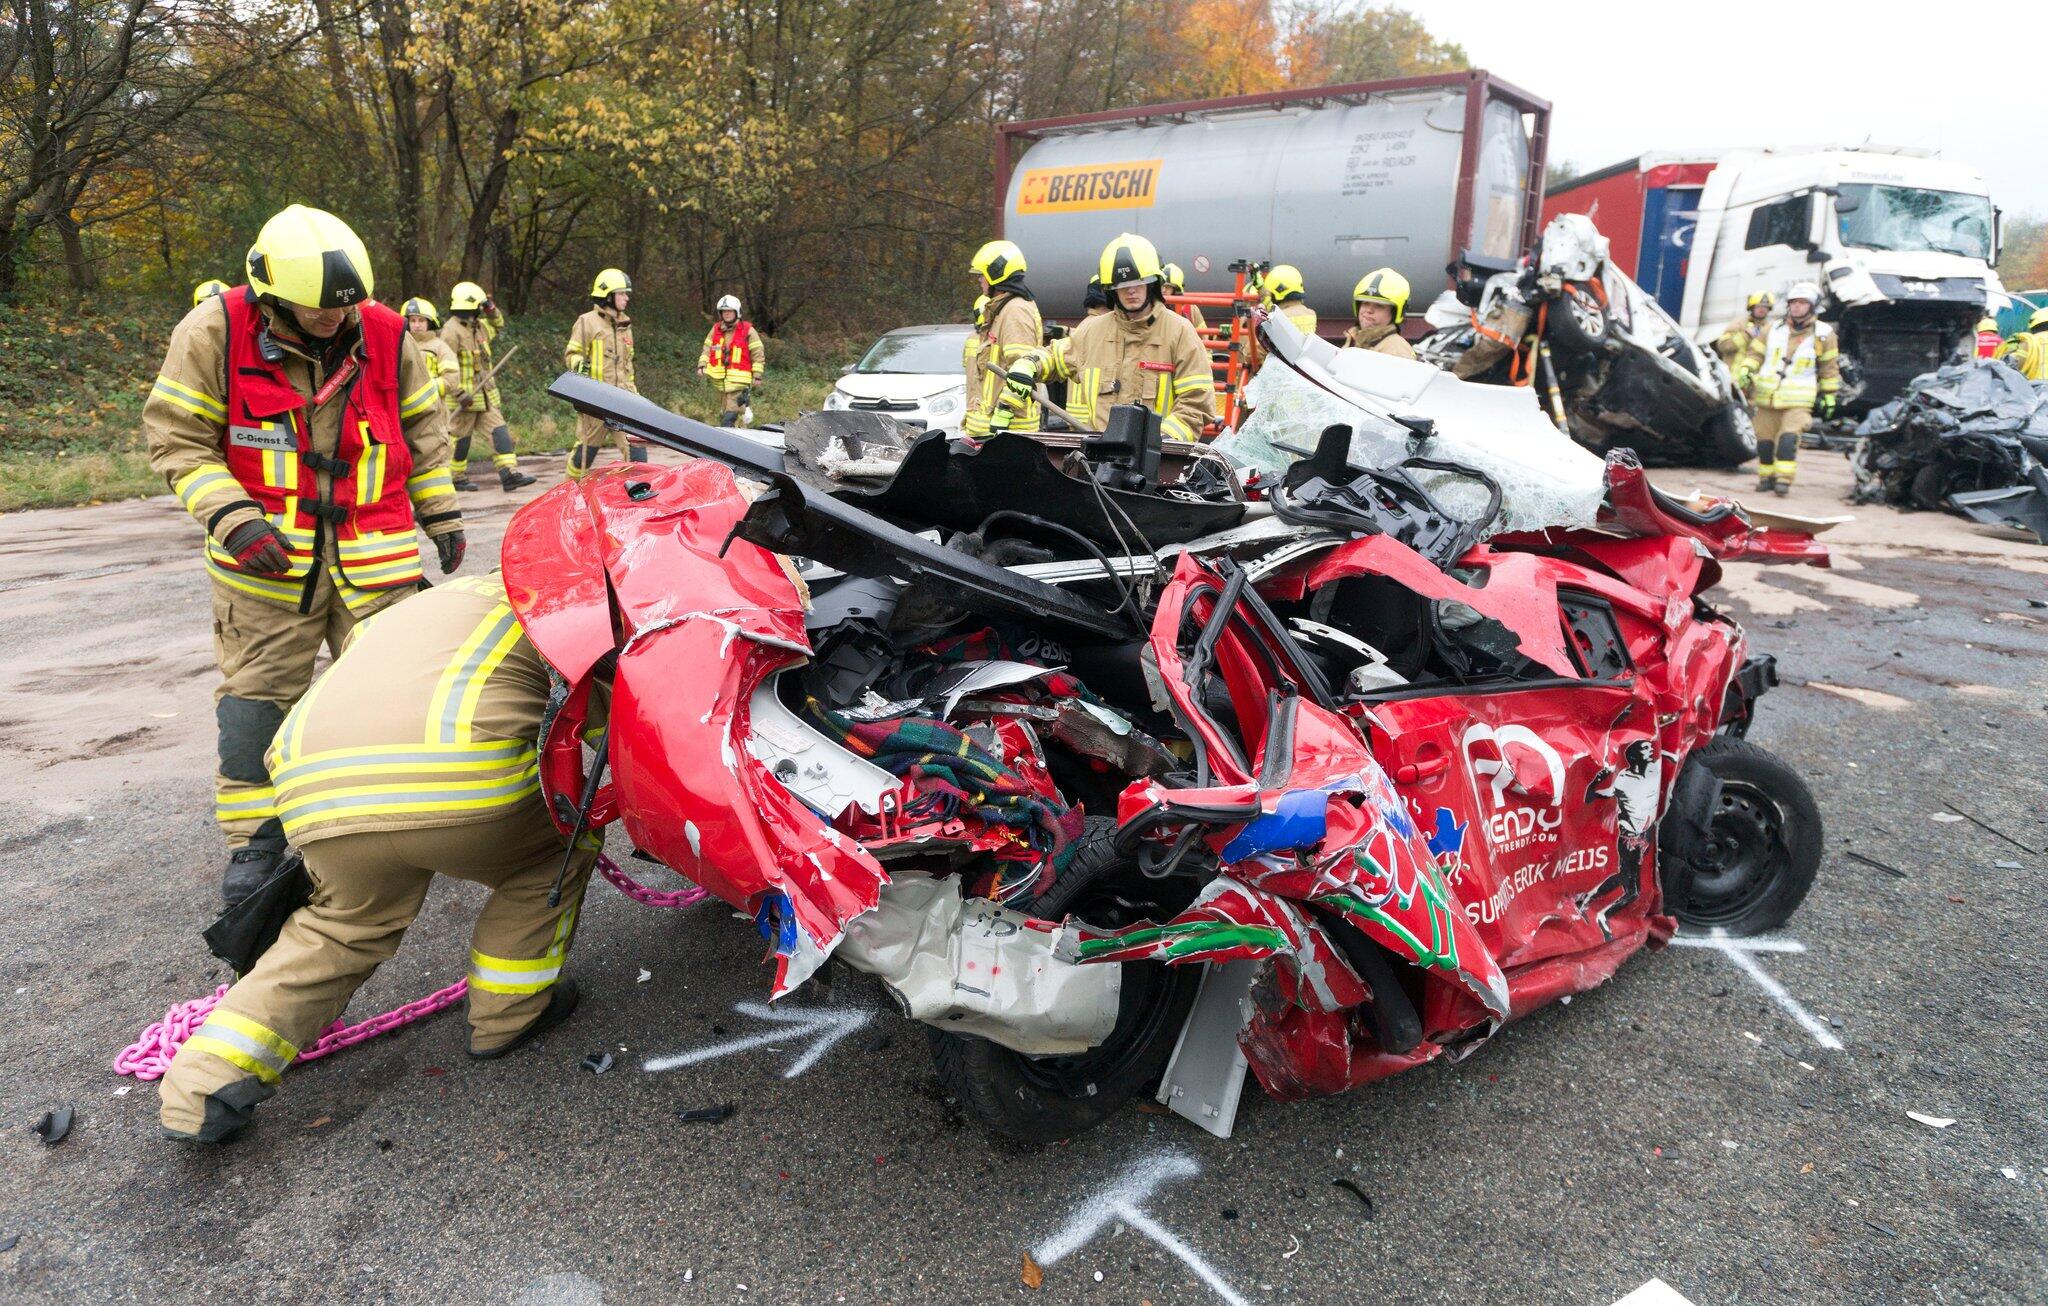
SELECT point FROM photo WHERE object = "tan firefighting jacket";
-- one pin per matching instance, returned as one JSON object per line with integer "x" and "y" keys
{"x": 1789, "y": 367}
{"x": 440, "y": 359}
{"x": 1298, "y": 312}
{"x": 601, "y": 347}
{"x": 1734, "y": 342}
{"x": 1155, "y": 360}
{"x": 1013, "y": 330}
{"x": 427, "y": 719}
{"x": 1380, "y": 340}
{"x": 184, "y": 422}
{"x": 471, "y": 342}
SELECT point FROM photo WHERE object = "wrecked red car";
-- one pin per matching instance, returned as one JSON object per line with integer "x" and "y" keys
{"x": 1123, "y": 782}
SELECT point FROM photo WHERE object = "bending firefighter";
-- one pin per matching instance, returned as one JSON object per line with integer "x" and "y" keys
{"x": 303, "y": 430}
{"x": 1791, "y": 372}
{"x": 474, "y": 321}
{"x": 1141, "y": 352}
{"x": 732, "y": 361}
{"x": 2027, "y": 351}
{"x": 1379, "y": 301}
{"x": 413, "y": 756}
{"x": 601, "y": 348}
{"x": 1013, "y": 329}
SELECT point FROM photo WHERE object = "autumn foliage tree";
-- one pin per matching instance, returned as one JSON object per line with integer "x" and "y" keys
{"x": 828, "y": 160}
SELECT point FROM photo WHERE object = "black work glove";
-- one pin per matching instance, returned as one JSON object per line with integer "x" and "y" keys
{"x": 259, "y": 548}
{"x": 451, "y": 547}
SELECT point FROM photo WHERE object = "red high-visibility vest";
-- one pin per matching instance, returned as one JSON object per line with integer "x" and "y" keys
{"x": 270, "y": 452}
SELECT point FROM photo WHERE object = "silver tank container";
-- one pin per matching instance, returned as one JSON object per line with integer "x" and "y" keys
{"x": 1336, "y": 189}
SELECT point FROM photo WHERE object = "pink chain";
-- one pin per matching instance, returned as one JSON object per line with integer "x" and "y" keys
{"x": 150, "y": 1055}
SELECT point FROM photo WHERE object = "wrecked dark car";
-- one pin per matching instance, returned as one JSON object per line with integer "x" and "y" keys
{"x": 1608, "y": 363}
{"x": 1971, "y": 438}
{"x": 1125, "y": 783}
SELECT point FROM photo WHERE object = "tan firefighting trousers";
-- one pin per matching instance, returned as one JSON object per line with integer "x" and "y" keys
{"x": 1777, "y": 440}
{"x": 367, "y": 888}
{"x": 487, "y": 425}
{"x": 592, "y": 435}
{"x": 266, "y": 653}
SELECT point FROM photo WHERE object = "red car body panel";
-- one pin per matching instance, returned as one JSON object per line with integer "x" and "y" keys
{"x": 1501, "y": 840}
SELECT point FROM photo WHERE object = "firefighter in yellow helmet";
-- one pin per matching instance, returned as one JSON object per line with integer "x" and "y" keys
{"x": 414, "y": 755}
{"x": 732, "y": 360}
{"x": 601, "y": 348}
{"x": 1379, "y": 301}
{"x": 206, "y": 290}
{"x": 302, "y": 429}
{"x": 1012, "y": 328}
{"x": 1141, "y": 352}
{"x": 2028, "y": 350}
{"x": 1792, "y": 372}
{"x": 1177, "y": 284}
{"x": 474, "y": 321}
{"x": 1094, "y": 299}
{"x": 423, "y": 324}
{"x": 1285, "y": 295}
{"x": 1734, "y": 342}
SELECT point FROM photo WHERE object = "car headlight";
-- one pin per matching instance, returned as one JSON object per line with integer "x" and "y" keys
{"x": 946, "y": 404}
{"x": 836, "y": 401}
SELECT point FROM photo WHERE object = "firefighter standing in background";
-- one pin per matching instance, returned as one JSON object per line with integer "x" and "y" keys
{"x": 1285, "y": 293}
{"x": 474, "y": 321}
{"x": 206, "y": 290}
{"x": 1988, "y": 340}
{"x": 1141, "y": 352}
{"x": 2028, "y": 349}
{"x": 1095, "y": 299}
{"x": 423, "y": 324}
{"x": 414, "y": 755}
{"x": 1791, "y": 373}
{"x": 299, "y": 425}
{"x": 1379, "y": 301}
{"x": 1177, "y": 282}
{"x": 601, "y": 348}
{"x": 732, "y": 361}
{"x": 1734, "y": 342}
{"x": 1014, "y": 330}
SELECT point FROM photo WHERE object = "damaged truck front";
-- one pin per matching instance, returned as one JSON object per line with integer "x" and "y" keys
{"x": 1120, "y": 800}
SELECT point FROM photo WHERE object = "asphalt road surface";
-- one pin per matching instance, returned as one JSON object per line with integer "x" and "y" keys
{"x": 1689, "y": 1122}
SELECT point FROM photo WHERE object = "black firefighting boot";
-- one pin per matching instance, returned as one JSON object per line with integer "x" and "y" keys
{"x": 251, "y": 866}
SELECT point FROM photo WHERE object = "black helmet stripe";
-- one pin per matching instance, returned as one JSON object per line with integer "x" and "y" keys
{"x": 340, "y": 283}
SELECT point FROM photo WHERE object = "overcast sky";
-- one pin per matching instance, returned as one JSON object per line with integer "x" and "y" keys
{"x": 1627, "y": 76}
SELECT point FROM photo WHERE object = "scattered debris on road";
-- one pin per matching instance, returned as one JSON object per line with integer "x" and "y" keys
{"x": 53, "y": 1126}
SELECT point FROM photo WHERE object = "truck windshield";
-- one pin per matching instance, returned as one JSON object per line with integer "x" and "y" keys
{"x": 1907, "y": 218}
{"x": 915, "y": 351}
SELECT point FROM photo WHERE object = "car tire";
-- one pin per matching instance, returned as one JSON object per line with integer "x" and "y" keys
{"x": 1730, "y": 439}
{"x": 1577, "y": 324}
{"x": 1931, "y": 486}
{"x": 1764, "y": 840}
{"x": 1036, "y": 1101}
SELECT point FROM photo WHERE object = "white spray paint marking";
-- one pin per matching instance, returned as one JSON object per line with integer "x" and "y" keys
{"x": 1122, "y": 1200}
{"x": 824, "y": 1026}
{"x": 1738, "y": 952}
{"x": 1655, "y": 1293}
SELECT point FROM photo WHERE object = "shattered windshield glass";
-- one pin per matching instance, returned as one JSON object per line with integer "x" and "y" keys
{"x": 1907, "y": 218}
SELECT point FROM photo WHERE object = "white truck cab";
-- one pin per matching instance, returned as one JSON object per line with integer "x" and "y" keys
{"x": 1901, "y": 243}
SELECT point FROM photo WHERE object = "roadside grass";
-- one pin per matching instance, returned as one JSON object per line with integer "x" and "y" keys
{"x": 73, "y": 378}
